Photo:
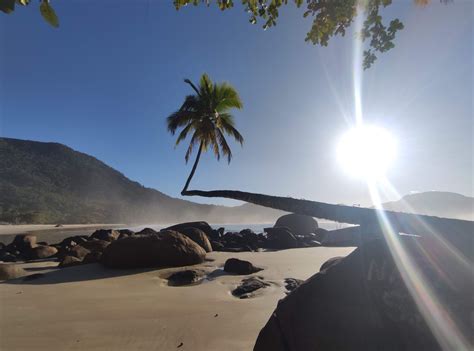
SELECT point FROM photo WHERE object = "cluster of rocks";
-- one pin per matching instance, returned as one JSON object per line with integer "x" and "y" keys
{"x": 289, "y": 232}
{"x": 179, "y": 245}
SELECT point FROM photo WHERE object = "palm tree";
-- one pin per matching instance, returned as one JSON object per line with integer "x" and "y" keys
{"x": 206, "y": 115}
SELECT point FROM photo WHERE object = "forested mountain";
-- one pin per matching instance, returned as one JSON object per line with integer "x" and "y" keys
{"x": 51, "y": 183}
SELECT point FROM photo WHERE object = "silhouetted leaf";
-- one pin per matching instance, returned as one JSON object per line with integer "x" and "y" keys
{"x": 48, "y": 14}
{"x": 7, "y": 6}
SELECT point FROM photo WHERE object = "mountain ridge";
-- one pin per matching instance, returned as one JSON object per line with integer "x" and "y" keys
{"x": 48, "y": 182}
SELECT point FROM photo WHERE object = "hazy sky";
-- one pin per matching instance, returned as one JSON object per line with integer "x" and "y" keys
{"x": 104, "y": 82}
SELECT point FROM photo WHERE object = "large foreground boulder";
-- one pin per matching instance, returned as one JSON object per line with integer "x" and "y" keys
{"x": 198, "y": 236}
{"x": 298, "y": 224}
{"x": 362, "y": 303}
{"x": 166, "y": 248}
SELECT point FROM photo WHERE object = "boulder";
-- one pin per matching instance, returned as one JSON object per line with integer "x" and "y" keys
{"x": 329, "y": 263}
{"x": 280, "y": 238}
{"x": 7, "y": 256}
{"x": 105, "y": 234}
{"x": 362, "y": 303}
{"x": 198, "y": 236}
{"x": 78, "y": 251}
{"x": 11, "y": 271}
{"x": 241, "y": 267}
{"x": 248, "y": 286}
{"x": 217, "y": 245}
{"x": 146, "y": 231}
{"x": 298, "y": 224}
{"x": 41, "y": 252}
{"x": 24, "y": 242}
{"x": 166, "y": 248}
{"x": 204, "y": 226}
{"x": 187, "y": 277}
{"x": 69, "y": 261}
{"x": 95, "y": 245}
{"x": 92, "y": 257}
{"x": 74, "y": 240}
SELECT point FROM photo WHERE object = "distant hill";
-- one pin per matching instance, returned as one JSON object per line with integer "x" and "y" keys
{"x": 51, "y": 183}
{"x": 435, "y": 203}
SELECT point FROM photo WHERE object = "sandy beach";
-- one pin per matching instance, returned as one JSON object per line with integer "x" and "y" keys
{"x": 90, "y": 307}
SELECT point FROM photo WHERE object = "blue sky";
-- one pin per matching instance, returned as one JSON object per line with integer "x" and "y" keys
{"x": 104, "y": 82}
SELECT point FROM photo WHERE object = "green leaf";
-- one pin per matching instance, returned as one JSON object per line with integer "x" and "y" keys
{"x": 48, "y": 14}
{"x": 7, "y": 6}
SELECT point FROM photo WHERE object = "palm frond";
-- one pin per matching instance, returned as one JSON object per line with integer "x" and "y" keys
{"x": 227, "y": 98}
{"x": 184, "y": 133}
{"x": 226, "y": 151}
{"x": 187, "y": 81}
{"x": 226, "y": 122}
{"x": 179, "y": 119}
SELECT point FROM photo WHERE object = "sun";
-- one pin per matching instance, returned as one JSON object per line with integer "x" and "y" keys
{"x": 367, "y": 151}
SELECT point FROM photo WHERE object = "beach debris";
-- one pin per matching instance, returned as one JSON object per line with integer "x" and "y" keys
{"x": 198, "y": 236}
{"x": 166, "y": 248}
{"x": 248, "y": 286}
{"x": 187, "y": 277}
{"x": 181, "y": 344}
{"x": 241, "y": 267}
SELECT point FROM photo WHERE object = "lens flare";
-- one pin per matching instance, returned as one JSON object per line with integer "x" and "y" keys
{"x": 367, "y": 151}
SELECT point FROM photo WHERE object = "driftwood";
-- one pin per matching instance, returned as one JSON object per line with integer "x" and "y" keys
{"x": 459, "y": 231}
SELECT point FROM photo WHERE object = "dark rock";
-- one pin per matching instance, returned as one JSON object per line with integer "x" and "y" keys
{"x": 166, "y": 248}
{"x": 105, "y": 234}
{"x": 78, "y": 251}
{"x": 58, "y": 225}
{"x": 298, "y": 224}
{"x": 10, "y": 271}
{"x": 92, "y": 257}
{"x": 187, "y": 277}
{"x": 69, "y": 261}
{"x": 147, "y": 231}
{"x": 96, "y": 245}
{"x": 41, "y": 252}
{"x": 204, "y": 226}
{"x": 6, "y": 256}
{"x": 126, "y": 232}
{"x": 248, "y": 286}
{"x": 320, "y": 234}
{"x": 24, "y": 242}
{"x": 216, "y": 245}
{"x": 363, "y": 303}
{"x": 197, "y": 236}
{"x": 43, "y": 243}
{"x": 236, "y": 266}
{"x": 331, "y": 262}
{"x": 236, "y": 249}
{"x": 74, "y": 240}
{"x": 280, "y": 238}
{"x": 292, "y": 283}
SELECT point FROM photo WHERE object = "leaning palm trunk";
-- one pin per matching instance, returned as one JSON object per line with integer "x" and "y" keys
{"x": 368, "y": 218}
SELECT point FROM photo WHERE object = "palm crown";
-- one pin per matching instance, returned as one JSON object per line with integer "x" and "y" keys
{"x": 206, "y": 116}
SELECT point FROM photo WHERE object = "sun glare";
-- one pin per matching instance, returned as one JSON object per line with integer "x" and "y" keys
{"x": 367, "y": 151}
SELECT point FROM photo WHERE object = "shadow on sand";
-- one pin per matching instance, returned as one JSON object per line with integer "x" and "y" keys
{"x": 79, "y": 273}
